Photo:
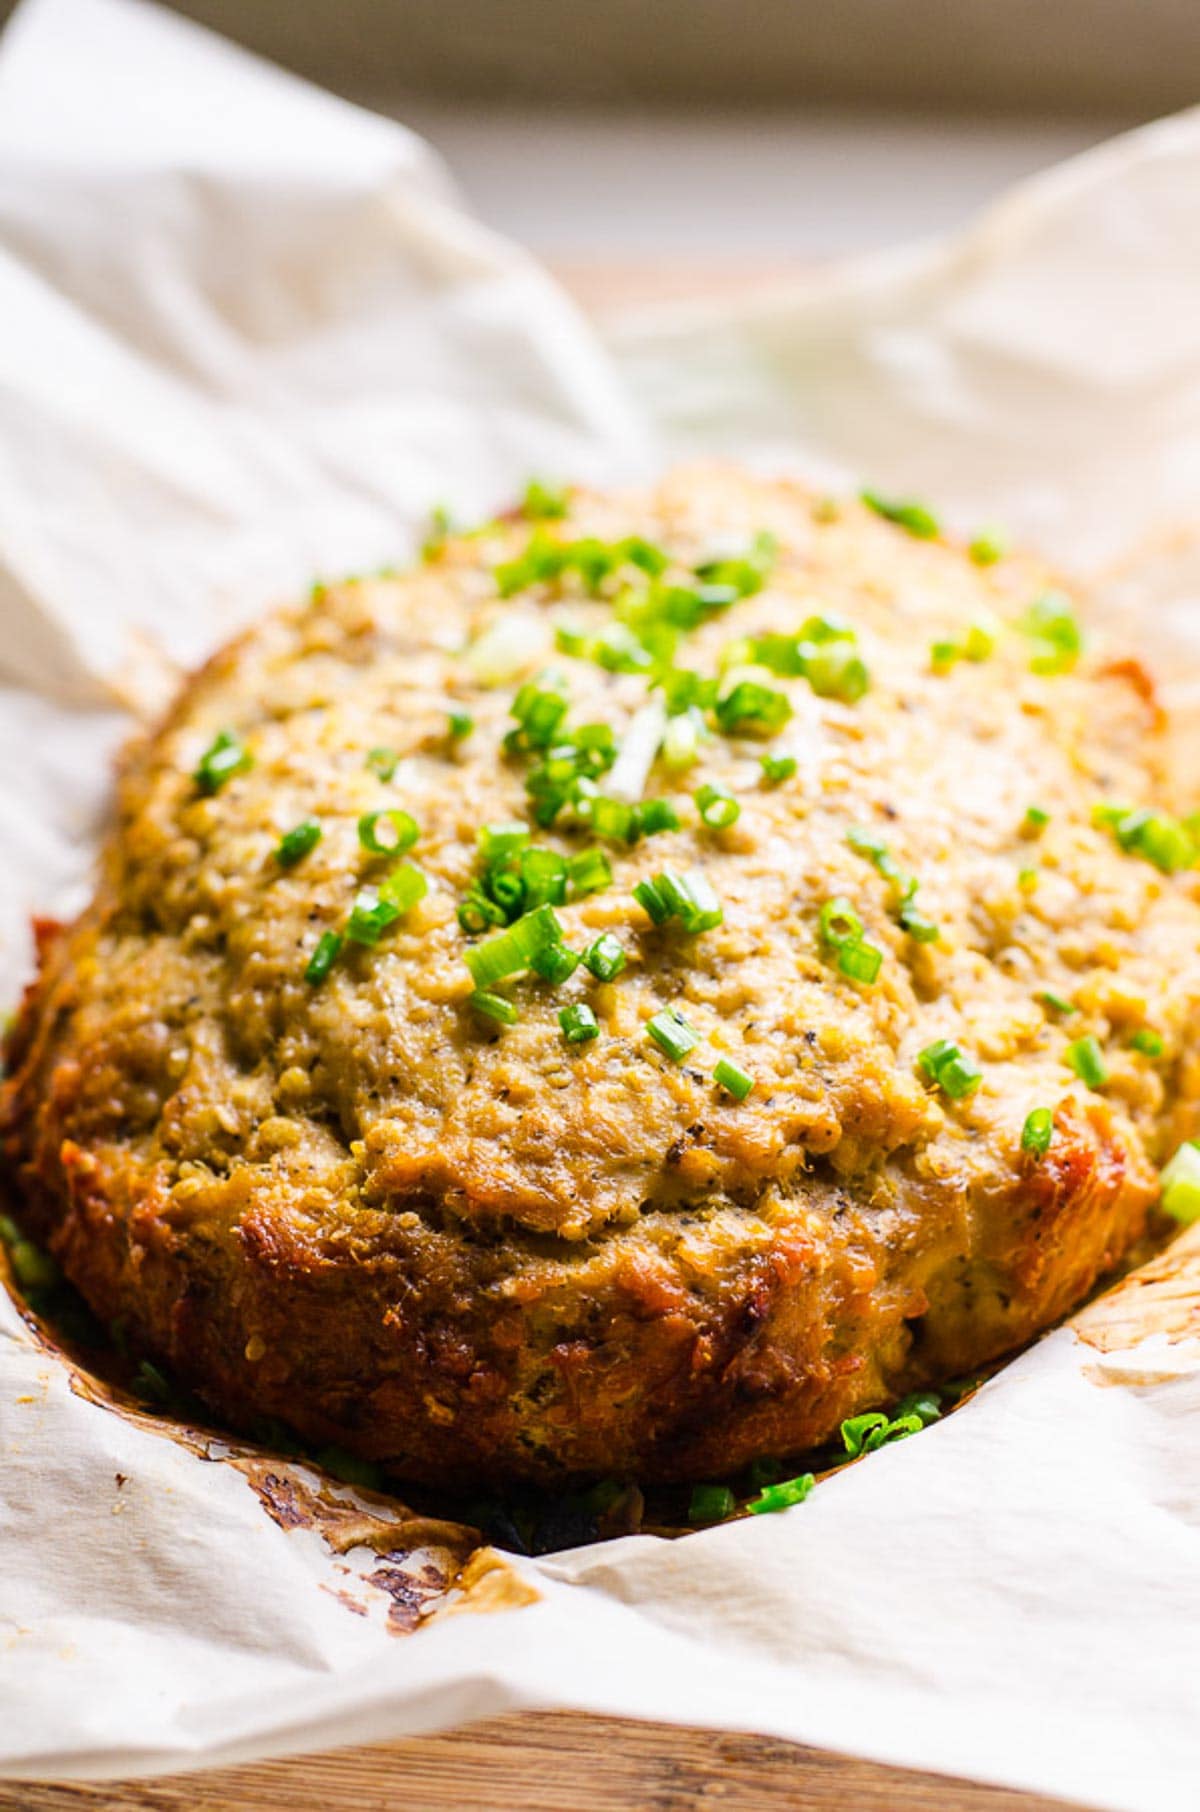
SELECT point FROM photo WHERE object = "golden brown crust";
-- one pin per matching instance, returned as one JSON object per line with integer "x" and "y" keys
{"x": 479, "y": 1256}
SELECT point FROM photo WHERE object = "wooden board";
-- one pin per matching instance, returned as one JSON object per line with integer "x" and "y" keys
{"x": 542, "y": 1762}
{"x": 554, "y": 1761}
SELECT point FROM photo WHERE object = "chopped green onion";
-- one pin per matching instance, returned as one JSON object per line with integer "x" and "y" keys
{"x": 225, "y": 756}
{"x": 543, "y": 878}
{"x": 979, "y": 644}
{"x": 868, "y": 1432}
{"x": 295, "y": 844}
{"x": 651, "y": 901}
{"x": 513, "y": 950}
{"x": 404, "y": 887}
{"x": 1147, "y": 1041}
{"x": 1181, "y": 1184}
{"x": 326, "y": 953}
{"x": 924, "y": 1404}
{"x": 947, "y": 1065}
{"x": 494, "y": 1006}
{"x": 653, "y": 815}
{"x": 497, "y": 841}
{"x": 942, "y": 656}
{"x": 1087, "y": 1060}
{"x": 866, "y": 842}
{"x": 753, "y": 710}
{"x": 578, "y": 1023}
{"x": 711, "y": 1503}
{"x": 988, "y": 546}
{"x": 543, "y": 502}
{"x": 681, "y": 740}
{"x": 1027, "y": 879}
{"x": 905, "y": 513}
{"x": 840, "y": 924}
{"x": 744, "y": 572}
{"x": 734, "y": 1080}
{"x": 476, "y": 913}
{"x": 782, "y": 1496}
{"x": 1035, "y": 820}
{"x": 1037, "y": 1131}
{"x": 1055, "y": 635}
{"x": 382, "y": 762}
{"x": 860, "y": 961}
{"x": 776, "y": 768}
{"x": 837, "y": 671}
{"x": 555, "y": 964}
{"x": 441, "y": 525}
{"x": 672, "y": 1033}
{"x": 1057, "y": 1003}
{"x": 690, "y": 898}
{"x": 604, "y": 957}
{"x": 1153, "y": 835}
{"x": 590, "y": 871}
{"x": 921, "y": 929}
{"x": 387, "y": 833}
{"x": 459, "y": 725}
{"x": 717, "y": 806}
{"x": 539, "y": 711}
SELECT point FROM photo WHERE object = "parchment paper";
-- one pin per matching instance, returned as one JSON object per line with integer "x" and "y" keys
{"x": 248, "y": 334}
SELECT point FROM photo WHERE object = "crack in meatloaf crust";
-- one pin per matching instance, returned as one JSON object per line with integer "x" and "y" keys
{"x": 478, "y": 1253}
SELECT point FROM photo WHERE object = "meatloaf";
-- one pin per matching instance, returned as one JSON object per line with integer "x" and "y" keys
{"x": 666, "y": 973}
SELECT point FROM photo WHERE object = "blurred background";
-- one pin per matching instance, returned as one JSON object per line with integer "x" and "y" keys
{"x": 659, "y": 145}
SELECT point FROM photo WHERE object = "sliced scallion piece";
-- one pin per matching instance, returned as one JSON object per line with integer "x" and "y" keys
{"x": 1037, "y": 1131}
{"x": 224, "y": 757}
{"x": 296, "y": 843}
{"x": 579, "y": 1024}
{"x": 1086, "y": 1058}
{"x": 328, "y": 948}
{"x": 711, "y": 1503}
{"x": 513, "y": 950}
{"x": 734, "y": 1080}
{"x": 494, "y": 1006}
{"x": 604, "y": 957}
{"x": 717, "y": 806}
{"x": 1181, "y": 1184}
{"x": 672, "y": 1033}
{"x": 387, "y": 833}
{"x": 946, "y": 1064}
{"x": 905, "y": 513}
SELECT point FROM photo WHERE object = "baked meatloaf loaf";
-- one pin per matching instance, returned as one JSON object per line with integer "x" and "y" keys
{"x": 668, "y": 972}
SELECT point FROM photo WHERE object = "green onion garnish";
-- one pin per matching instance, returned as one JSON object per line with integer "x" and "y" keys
{"x": 494, "y": 1006}
{"x": 403, "y": 887}
{"x": 1055, "y": 635}
{"x": 942, "y": 656}
{"x": 555, "y": 964}
{"x": 681, "y": 740}
{"x": 1035, "y": 820}
{"x": 1181, "y": 1184}
{"x": 753, "y": 710}
{"x": 497, "y": 841}
{"x": 513, "y": 950}
{"x": 735, "y": 1081}
{"x": 477, "y": 913}
{"x": 860, "y": 961}
{"x": 1087, "y": 1060}
{"x": 589, "y": 872}
{"x": 717, "y": 806}
{"x": 651, "y": 901}
{"x": 1147, "y": 1041}
{"x": 295, "y": 844}
{"x": 225, "y": 756}
{"x": 1155, "y": 836}
{"x": 946, "y": 1064}
{"x": 988, "y": 546}
{"x": 578, "y": 1023}
{"x": 690, "y": 898}
{"x": 840, "y": 924}
{"x": 1037, "y": 1131}
{"x": 872, "y": 1430}
{"x": 837, "y": 670}
{"x": 459, "y": 725}
{"x": 604, "y": 957}
{"x": 324, "y": 956}
{"x": 868, "y": 843}
{"x": 653, "y": 815}
{"x": 905, "y": 513}
{"x": 782, "y": 1496}
{"x": 377, "y": 908}
{"x": 544, "y": 502}
{"x": 776, "y": 768}
{"x": 382, "y": 762}
{"x": 539, "y": 711}
{"x": 745, "y": 572}
{"x": 387, "y": 833}
{"x": 672, "y": 1033}
{"x": 1057, "y": 1003}
{"x": 711, "y": 1503}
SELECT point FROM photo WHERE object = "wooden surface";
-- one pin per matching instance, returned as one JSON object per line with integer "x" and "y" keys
{"x": 553, "y": 1761}
{"x": 542, "y": 1762}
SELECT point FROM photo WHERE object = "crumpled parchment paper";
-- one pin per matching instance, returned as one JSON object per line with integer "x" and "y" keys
{"x": 249, "y": 335}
